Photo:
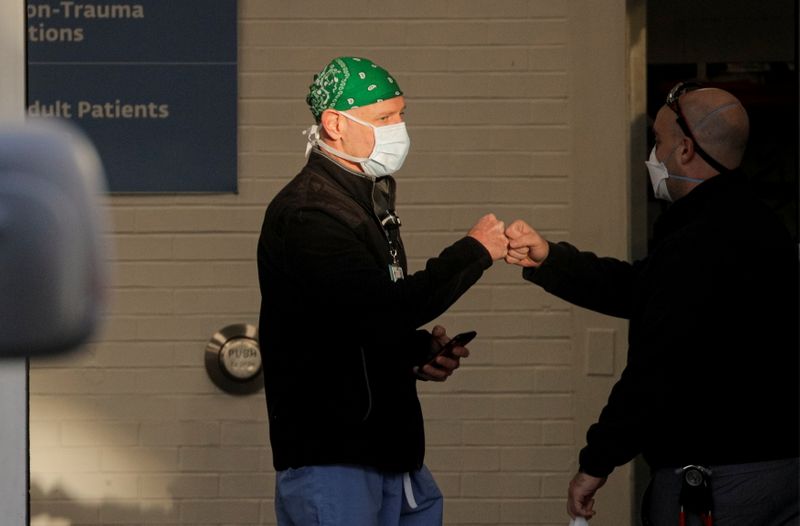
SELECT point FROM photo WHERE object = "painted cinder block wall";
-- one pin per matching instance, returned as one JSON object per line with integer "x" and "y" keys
{"x": 515, "y": 107}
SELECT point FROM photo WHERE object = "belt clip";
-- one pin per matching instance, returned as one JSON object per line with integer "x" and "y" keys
{"x": 695, "y": 493}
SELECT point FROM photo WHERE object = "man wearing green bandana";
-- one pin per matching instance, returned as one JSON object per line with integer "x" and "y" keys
{"x": 340, "y": 325}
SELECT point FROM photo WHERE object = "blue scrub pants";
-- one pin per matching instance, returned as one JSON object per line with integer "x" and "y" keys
{"x": 342, "y": 495}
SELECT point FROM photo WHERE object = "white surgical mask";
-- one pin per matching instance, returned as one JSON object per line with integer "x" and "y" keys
{"x": 659, "y": 175}
{"x": 391, "y": 147}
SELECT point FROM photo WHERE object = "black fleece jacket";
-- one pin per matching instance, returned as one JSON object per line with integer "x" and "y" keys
{"x": 339, "y": 338}
{"x": 712, "y": 369}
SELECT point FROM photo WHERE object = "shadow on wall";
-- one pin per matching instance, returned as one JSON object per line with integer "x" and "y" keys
{"x": 130, "y": 434}
{"x": 57, "y": 507}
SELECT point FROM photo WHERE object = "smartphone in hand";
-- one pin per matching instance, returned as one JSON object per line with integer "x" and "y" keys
{"x": 459, "y": 340}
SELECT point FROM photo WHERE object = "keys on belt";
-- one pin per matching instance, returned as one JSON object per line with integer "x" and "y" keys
{"x": 695, "y": 493}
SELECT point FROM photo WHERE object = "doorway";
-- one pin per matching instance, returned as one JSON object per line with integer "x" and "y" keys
{"x": 751, "y": 50}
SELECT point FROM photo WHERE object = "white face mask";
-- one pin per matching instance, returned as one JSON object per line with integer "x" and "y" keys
{"x": 659, "y": 175}
{"x": 391, "y": 147}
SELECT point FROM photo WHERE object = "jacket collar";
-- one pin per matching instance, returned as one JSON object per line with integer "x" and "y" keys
{"x": 695, "y": 202}
{"x": 376, "y": 194}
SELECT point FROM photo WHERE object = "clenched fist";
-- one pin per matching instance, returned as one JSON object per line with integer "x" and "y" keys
{"x": 489, "y": 231}
{"x": 526, "y": 247}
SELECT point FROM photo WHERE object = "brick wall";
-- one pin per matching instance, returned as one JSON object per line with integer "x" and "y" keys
{"x": 130, "y": 430}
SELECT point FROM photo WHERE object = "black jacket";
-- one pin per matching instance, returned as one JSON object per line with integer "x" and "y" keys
{"x": 712, "y": 370}
{"x": 339, "y": 338}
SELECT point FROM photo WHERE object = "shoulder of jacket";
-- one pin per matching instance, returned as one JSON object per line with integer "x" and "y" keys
{"x": 314, "y": 191}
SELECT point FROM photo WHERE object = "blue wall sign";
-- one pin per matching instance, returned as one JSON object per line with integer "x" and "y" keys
{"x": 151, "y": 82}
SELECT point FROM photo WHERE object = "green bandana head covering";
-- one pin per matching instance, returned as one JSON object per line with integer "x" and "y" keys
{"x": 350, "y": 82}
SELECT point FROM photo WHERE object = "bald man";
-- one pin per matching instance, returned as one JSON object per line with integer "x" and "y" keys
{"x": 341, "y": 317}
{"x": 709, "y": 394}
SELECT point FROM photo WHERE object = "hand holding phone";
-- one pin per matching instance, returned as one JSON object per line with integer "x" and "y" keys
{"x": 459, "y": 340}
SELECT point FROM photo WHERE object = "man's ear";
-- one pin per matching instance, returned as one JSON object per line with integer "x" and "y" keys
{"x": 332, "y": 123}
{"x": 687, "y": 150}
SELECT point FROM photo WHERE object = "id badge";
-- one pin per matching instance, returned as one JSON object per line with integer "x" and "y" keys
{"x": 396, "y": 272}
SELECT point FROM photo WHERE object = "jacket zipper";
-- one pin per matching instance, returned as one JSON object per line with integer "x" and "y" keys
{"x": 366, "y": 380}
